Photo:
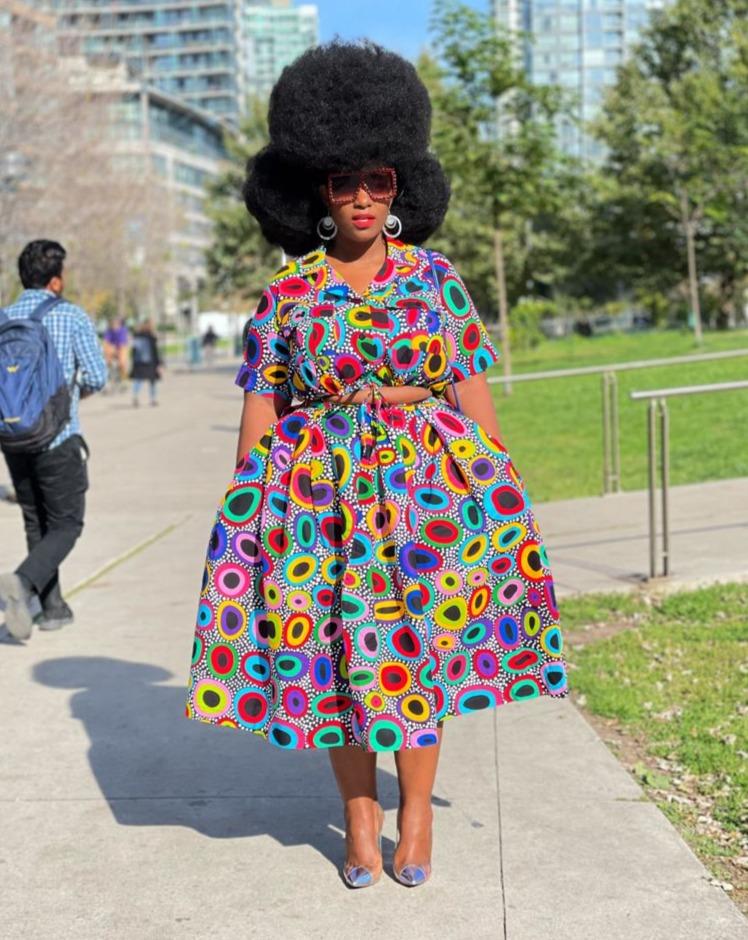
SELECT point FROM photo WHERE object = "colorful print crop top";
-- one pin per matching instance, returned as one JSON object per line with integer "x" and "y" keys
{"x": 312, "y": 335}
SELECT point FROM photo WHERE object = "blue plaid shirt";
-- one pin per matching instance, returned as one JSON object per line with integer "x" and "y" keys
{"x": 77, "y": 346}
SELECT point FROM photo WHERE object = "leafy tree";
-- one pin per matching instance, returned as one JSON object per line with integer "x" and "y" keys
{"x": 676, "y": 127}
{"x": 495, "y": 134}
{"x": 240, "y": 261}
{"x": 610, "y": 241}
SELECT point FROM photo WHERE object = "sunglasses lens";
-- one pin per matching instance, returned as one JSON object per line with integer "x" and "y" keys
{"x": 344, "y": 185}
{"x": 379, "y": 184}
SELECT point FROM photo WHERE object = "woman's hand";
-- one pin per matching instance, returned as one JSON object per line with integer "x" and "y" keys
{"x": 258, "y": 413}
{"x": 476, "y": 402}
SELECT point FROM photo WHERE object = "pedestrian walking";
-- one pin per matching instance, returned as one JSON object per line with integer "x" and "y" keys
{"x": 375, "y": 567}
{"x": 116, "y": 342}
{"x": 49, "y": 358}
{"x": 209, "y": 342}
{"x": 146, "y": 362}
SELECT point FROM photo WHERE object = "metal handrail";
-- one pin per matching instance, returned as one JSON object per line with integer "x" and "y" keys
{"x": 689, "y": 390}
{"x": 657, "y": 407}
{"x": 611, "y": 443}
{"x": 620, "y": 366}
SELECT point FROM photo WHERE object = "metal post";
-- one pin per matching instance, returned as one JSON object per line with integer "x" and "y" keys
{"x": 606, "y": 434}
{"x": 657, "y": 409}
{"x": 665, "y": 475}
{"x": 611, "y": 444}
{"x": 652, "y": 449}
{"x": 615, "y": 436}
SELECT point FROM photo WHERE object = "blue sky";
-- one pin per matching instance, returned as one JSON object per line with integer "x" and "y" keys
{"x": 400, "y": 25}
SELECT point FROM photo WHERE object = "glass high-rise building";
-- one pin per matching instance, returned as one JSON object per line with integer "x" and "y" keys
{"x": 186, "y": 48}
{"x": 576, "y": 44}
{"x": 273, "y": 34}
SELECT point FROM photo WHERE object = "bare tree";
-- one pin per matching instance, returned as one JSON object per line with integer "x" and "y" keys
{"x": 66, "y": 172}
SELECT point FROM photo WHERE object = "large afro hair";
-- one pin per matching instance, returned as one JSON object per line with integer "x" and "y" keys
{"x": 341, "y": 106}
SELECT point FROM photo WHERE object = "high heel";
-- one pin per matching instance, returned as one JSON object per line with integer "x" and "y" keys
{"x": 359, "y": 876}
{"x": 411, "y": 875}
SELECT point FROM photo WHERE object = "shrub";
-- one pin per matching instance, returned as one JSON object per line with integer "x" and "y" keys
{"x": 524, "y": 321}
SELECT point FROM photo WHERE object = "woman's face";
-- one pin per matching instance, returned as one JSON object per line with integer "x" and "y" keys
{"x": 361, "y": 219}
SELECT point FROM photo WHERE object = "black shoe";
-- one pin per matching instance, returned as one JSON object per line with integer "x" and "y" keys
{"x": 54, "y": 619}
{"x": 18, "y": 599}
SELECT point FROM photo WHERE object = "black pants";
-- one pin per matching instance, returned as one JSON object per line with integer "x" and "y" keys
{"x": 50, "y": 487}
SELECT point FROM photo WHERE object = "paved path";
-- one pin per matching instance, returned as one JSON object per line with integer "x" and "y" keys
{"x": 602, "y": 543}
{"x": 120, "y": 819}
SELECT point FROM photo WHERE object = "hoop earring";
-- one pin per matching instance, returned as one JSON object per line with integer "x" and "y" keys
{"x": 393, "y": 226}
{"x": 326, "y": 228}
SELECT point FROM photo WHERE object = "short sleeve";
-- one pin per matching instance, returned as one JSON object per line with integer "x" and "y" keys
{"x": 265, "y": 369}
{"x": 470, "y": 350}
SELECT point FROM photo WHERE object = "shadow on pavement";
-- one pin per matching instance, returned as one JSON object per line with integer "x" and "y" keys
{"x": 157, "y": 768}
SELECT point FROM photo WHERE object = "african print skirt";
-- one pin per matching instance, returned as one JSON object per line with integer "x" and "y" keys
{"x": 370, "y": 573}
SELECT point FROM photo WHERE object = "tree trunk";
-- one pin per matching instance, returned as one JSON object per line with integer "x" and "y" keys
{"x": 506, "y": 352}
{"x": 693, "y": 277}
{"x": 726, "y": 314}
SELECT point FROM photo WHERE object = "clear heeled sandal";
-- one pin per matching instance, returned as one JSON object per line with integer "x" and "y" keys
{"x": 411, "y": 875}
{"x": 359, "y": 876}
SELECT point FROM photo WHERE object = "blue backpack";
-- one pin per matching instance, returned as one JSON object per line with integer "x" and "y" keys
{"x": 34, "y": 397}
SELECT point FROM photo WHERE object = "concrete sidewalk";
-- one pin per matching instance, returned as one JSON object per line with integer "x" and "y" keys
{"x": 120, "y": 819}
{"x": 602, "y": 543}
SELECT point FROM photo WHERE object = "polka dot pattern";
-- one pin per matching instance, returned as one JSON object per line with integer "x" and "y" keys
{"x": 373, "y": 568}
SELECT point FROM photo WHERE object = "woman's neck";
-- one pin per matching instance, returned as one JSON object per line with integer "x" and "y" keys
{"x": 347, "y": 252}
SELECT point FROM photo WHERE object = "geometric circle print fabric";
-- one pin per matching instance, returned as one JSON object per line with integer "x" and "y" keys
{"x": 374, "y": 568}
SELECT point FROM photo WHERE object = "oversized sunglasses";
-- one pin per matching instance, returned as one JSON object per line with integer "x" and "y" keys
{"x": 379, "y": 183}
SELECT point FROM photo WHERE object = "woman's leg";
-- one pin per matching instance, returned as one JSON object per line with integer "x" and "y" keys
{"x": 122, "y": 362}
{"x": 136, "y": 383}
{"x": 154, "y": 395}
{"x": 416, "y": 772}
{"x": 356, "y": 776}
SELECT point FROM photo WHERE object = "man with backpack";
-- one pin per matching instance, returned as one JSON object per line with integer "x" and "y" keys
{"x": 49, "y": 358}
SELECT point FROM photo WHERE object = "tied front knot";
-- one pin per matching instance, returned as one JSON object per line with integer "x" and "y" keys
{"x": 370, "y": 413}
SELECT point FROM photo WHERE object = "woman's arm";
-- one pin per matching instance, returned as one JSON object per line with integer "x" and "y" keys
{"x": 258, "y": 413}
{"x": 477, "y": 403}
{"x": 471, "y": 351}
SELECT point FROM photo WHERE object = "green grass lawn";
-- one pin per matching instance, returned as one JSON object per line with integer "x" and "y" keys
{"x": 673, "y": 676}
{"x": 553, "y": 428}
{"x": 176, "y": 348}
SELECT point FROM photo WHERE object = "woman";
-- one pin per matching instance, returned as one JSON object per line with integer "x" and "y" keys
{"x": 115, "y": 342}
{"x": 146, "y": 362}
{"x": 374, "y": 568}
